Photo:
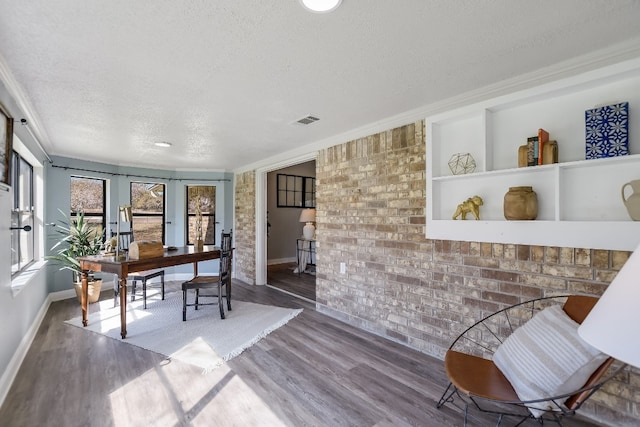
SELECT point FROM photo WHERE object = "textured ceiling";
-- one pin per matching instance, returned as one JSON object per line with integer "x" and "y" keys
{"x": 223, "y": 81}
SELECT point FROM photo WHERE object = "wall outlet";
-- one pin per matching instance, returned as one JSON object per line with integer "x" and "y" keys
{"x": 343, "y": 268}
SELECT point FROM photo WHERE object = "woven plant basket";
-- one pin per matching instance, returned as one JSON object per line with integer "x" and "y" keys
{"x": 94, "y": 290}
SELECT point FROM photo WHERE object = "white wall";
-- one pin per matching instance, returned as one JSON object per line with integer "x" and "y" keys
{"x": 20, "y": 312}
{"x": 10, "y": 340}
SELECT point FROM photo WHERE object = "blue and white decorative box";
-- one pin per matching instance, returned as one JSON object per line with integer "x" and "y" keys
{"x": 607, "y": 131}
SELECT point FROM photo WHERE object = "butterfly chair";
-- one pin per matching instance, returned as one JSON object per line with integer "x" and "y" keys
{"x": 124, "y": 240}
{"x": 527, "y": 361}
{"x": 220, "y": 281}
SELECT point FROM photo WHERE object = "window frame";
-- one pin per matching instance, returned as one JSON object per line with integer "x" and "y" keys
{"x": 89, "y": 216}
{"x": 189, "y": 215}
{"x": 162, "y": 215}
{"x": 15, "y": 173}
{"x": 294, "y": 195}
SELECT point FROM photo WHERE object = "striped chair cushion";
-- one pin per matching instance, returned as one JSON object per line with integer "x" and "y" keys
{"x": 546, "y": 357}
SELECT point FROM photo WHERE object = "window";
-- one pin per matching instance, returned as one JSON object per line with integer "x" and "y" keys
{"x": 296, "y": 191}
{"x": 147, "y": 207}
{"x": 22, "y": 213}
{"x": 203, "y": 196}
{"x": 88, "y": 196}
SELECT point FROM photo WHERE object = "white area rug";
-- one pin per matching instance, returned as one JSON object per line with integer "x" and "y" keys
{"x": 203, "y": 340}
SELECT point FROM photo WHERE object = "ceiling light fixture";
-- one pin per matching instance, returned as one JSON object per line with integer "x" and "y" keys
{"x": 163, "y": 144}
{"x": 321, "y": 6}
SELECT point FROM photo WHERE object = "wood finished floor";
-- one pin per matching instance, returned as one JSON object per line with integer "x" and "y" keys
{"x": 314, "y": 371}
{"x": 281, "y": 276}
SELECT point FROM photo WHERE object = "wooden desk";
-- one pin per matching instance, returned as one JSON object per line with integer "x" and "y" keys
{"x": 123, "y": 266}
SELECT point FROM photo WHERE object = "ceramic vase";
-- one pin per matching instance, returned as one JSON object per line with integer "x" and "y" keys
{"x": 521, "y": 203}
{"x": 632, "y": 202}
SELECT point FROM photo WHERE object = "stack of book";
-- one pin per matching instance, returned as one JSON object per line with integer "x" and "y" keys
{"x": 538, "y": 150}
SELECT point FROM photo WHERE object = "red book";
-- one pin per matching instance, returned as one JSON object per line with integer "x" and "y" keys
{"x": 543, "y": 138}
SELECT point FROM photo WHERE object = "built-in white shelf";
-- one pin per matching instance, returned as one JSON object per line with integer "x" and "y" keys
{"x": 579, "y": 201}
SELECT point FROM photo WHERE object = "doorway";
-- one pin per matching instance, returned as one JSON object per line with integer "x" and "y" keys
{"x": 289, "y": 190}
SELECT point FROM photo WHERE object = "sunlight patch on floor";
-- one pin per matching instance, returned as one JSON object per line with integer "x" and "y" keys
{"x": 110, "y": 319}
{"x": 217, "y": 398}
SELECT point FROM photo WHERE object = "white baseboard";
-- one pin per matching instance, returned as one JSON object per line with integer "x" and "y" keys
{"x": 14, "y": 364}
{"x": 107, "y": 286}
{"x": 62, "y": 295}
{"x": 281, "y": 261}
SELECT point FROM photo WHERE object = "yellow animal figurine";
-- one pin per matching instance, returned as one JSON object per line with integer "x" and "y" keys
{"x": 472, "y": 205}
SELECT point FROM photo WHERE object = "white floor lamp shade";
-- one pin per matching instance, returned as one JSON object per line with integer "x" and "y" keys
{"x": 308, "y": 216}
{"x": 612, "y": 325}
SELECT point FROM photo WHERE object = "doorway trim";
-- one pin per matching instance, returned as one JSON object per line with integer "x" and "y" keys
{"x": 261, "y": 210}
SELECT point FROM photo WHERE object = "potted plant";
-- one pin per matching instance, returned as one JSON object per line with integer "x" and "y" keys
{"x": 77, "y": 238}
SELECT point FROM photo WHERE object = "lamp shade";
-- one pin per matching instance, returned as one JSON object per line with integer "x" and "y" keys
{"x": 308, "y": 215}
{"x": 612, "y": 324}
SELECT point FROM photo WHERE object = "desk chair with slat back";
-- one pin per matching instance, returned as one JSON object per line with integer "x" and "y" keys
{"x": 125, "y": 239}
{"x": 476, "y": 380}
{"x": 221, "y": 281}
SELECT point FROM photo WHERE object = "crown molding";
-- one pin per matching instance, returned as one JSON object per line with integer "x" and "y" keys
{"x": 26, "y": 109}
{"x": 616, "y": 54}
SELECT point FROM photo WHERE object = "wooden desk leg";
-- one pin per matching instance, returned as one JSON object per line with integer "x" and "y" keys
{"x": 123, "y": 306}
{"x": 84, "y": 297}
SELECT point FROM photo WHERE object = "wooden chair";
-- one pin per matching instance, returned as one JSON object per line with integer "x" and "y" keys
{"x": 125, "y": 239}
{"x": 476, "y": 380}
{"x": 221, "y": 281}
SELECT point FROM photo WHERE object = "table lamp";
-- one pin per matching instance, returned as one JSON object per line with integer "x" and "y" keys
{"x": 308, "y": 216}
{"x": 124, "y": 214}
{"x": 612, "y": 324}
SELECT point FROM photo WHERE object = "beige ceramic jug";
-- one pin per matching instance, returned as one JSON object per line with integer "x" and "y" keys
{"x": 521, "y": 203}
{"x": 632, "y": 202}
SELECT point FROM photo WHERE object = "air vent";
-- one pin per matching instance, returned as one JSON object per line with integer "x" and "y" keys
{"x": 307, "y": 120}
